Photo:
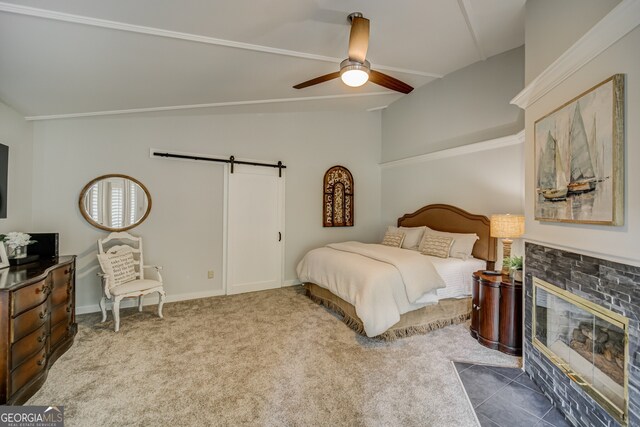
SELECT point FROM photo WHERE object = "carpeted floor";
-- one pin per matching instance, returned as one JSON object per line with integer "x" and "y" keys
{"x": 265, "y": 358}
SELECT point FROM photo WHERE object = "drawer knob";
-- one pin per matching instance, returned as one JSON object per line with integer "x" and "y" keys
{"x": 68, "y": 309}
{"x": 41, "y": 361}
{"x": 42, "y": 337}
{"x": 43, "y": 314}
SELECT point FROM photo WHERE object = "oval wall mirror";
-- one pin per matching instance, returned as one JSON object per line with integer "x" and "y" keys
{"x": 115, "y": 202}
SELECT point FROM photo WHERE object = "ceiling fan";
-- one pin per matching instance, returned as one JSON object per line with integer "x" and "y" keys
{"x": 356, "y": 70}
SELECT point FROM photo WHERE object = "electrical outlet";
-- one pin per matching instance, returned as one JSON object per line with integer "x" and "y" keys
{"x": 210, "y": 274}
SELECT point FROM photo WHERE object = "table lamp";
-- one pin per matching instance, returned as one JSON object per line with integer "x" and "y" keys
{"x": 506, "y": 227}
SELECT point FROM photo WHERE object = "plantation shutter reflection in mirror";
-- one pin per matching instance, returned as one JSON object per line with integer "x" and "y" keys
{"x": 338, "y": 198}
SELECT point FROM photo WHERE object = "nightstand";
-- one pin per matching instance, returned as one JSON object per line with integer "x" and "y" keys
{"x": 496, "y": 320}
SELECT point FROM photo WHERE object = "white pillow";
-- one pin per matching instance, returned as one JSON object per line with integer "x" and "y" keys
{"x": 462, "y": 243}
{"x": 119, "y": 267}
{"x": 412, "y": 236}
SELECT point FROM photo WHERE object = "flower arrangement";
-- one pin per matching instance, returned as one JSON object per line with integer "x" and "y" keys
{"x": 515, "y": 264}
{"x": 16, "y": 239}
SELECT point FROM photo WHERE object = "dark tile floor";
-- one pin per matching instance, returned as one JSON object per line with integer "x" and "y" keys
{"x": 506, "y": 397}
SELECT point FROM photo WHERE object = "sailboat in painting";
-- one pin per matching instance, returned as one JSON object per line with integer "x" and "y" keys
{"x": 583, "y": 178}
{"x": 552, "y": 183}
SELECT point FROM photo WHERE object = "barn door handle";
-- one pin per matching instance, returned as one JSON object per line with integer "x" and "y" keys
{"x": 279, "y": 236}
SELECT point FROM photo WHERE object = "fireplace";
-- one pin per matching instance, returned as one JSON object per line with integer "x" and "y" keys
{"x": 565, "y": 325}
{"x": 585, "y": 341}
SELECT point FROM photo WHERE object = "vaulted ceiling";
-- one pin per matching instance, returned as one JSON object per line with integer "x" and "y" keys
{"x": 74, "y": 57}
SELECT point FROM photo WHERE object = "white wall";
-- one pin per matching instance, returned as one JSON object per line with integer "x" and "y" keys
{"x": 16, "y": 133}
{"x": 484, "y": 182}
{"x": 184, "y": 231}
{"x": 617, "y": 243}
{"x": 466, "y": 106}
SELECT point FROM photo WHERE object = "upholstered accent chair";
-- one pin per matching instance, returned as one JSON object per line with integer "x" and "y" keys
{"x": 123, "y": 274}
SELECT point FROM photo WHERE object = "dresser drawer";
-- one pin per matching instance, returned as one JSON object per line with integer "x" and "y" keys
{"x": 29, "y": 296}
{"x": 60, "y": 313}
{"x": 27, "y": 346}
{"x": 29, "y": 321}
{"x": 61, "y": 276}
{"x": 58, "y": 333}
{"x": 28, "y": 370}
{"x": 61, "y": 294}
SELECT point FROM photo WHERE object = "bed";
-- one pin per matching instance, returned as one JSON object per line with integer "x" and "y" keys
{"x": 360, "y": 281}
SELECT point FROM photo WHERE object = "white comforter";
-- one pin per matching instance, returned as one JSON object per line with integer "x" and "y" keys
{"x": 377, "y": 280}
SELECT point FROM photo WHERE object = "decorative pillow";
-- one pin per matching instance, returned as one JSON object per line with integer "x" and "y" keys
{"x": 119, "y": 267}
{"x": 412, "y": 236}
{"x": 394, "y": 239}
{"x": 436, "y": 245}
{"x": 462, "y": 242}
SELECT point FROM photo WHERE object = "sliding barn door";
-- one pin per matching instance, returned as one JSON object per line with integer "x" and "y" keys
{"x": 255, "y": 232}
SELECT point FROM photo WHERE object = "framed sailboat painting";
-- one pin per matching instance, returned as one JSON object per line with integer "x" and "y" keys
{"x": 579, "y": 158}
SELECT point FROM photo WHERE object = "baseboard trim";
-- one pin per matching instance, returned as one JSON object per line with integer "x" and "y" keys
{"x": 151, "y": 299}
{"x": 292, "y": 282}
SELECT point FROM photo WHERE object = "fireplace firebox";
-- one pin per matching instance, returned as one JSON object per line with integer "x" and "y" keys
{"x": 586, "y": 341}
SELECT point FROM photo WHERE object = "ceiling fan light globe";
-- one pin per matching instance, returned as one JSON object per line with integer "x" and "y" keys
{"x": 354, "y": 78}
{"x": 354, "y": 73}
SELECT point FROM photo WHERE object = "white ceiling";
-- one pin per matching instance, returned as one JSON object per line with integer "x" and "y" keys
{"x": 74, "y": 57}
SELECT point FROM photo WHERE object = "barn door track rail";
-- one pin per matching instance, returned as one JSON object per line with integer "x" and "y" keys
{"x": 231, "y": 160}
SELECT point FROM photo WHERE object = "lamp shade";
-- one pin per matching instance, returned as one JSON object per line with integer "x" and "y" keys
{"x": 507, "y": 226}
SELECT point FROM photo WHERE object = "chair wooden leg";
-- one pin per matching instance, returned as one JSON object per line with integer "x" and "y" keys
{"x": 161, "y": 297}
{"x": 103, "y": 307}
{"x": 140, "y": 303}
{"x": 116, "y": 313}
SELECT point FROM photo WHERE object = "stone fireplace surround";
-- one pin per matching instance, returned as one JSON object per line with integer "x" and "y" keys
{"x": 612, "y": 285}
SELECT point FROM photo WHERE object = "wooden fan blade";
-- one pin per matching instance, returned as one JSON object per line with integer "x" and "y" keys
{"x": 317, "y": 80}
{"x": 359, "y": 39}
{"x": 389, "y": 82}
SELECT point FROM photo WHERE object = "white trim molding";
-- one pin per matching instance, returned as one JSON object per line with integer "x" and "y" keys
{"x": 490, "y": 144}
{"x": 151, "y": 300}
{"x": 594, "y": 254}
{"x": 616, "y": 24}
{"x": 467, "y": 12}
{"x": 196, "y": 106}
{"x": 159, "y": 32}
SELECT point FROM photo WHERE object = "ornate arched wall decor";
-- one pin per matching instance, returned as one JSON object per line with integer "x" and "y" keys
{"x": 338, "y": 198}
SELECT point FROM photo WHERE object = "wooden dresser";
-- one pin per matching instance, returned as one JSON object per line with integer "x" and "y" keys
{"x": 37, "y": 323}
{"x": 496, "y": 319}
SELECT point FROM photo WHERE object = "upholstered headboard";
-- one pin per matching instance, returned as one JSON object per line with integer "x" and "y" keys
{"x": 455, "y": 220}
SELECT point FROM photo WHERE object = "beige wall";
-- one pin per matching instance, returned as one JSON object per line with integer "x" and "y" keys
{"x": 618, "y": 243}
{"x": 552, "y": 26}
{"x": 16, "y": 133}
{"x": 466, "y": 106}
{"x": 184, "y": 231}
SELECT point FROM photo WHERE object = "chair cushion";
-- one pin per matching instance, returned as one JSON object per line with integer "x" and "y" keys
{"x": 135, "y": 286}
